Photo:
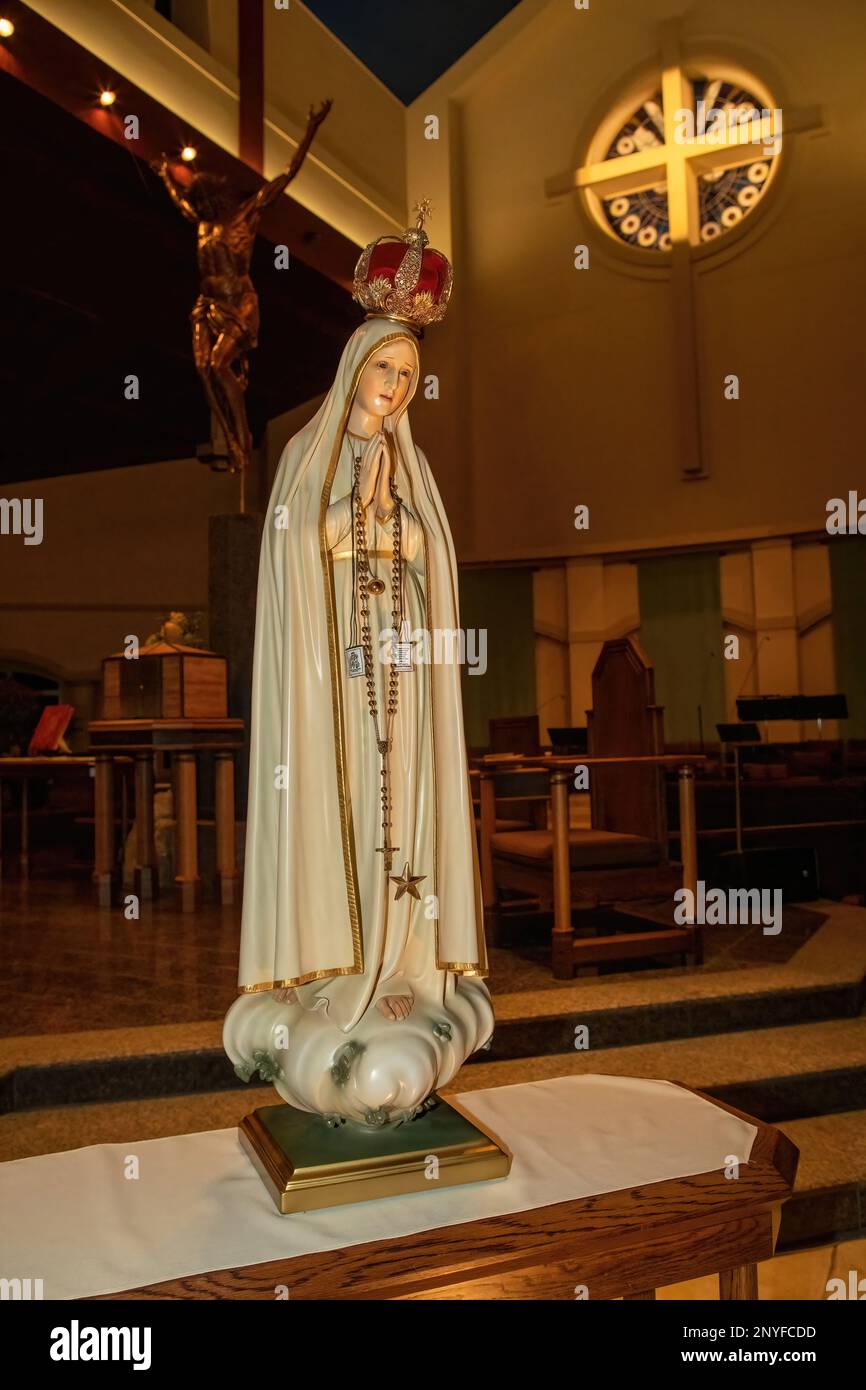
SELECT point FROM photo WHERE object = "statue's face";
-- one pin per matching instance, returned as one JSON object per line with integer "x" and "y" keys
{"x": 386, "y": 379}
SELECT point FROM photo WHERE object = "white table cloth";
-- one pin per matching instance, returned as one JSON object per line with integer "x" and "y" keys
{"x": 76, "y": 1221}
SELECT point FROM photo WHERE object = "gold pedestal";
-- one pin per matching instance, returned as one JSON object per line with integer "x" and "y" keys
{"x": 306, "y": 1165}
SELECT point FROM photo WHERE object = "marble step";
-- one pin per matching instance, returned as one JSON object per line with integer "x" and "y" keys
{"x": 777, "y": 1072}
{"x": 830, "y": 1196}
{"x": 829, "y": 1202}
{"x": 539, "y": 1025}
{"x": 774, "y": 1074}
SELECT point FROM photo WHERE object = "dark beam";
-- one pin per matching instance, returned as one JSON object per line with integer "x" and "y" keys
{"x": 251, "y": 68}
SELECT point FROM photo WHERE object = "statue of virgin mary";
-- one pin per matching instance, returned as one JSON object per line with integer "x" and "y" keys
{"x": 362, "y": 947}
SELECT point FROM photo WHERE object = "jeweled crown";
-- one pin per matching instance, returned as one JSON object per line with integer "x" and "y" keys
{"x": 403, "y": 278}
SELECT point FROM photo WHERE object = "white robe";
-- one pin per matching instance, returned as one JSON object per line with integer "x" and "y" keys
{"x": 398, "y": 938}
{"x": 318, "y": 914}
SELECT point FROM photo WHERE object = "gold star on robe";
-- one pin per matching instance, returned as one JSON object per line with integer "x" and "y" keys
{"x": 406, "y": 883}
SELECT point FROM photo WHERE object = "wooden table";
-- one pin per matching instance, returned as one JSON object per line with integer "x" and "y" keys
{"x": 619, "y": 1244}
{"x": 561, "y": 767}
{"x": 183, "y": 739}
{"x": 24, "y": 769}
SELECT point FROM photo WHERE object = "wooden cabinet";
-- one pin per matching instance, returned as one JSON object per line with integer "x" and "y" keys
{"x": 165, "y": 682}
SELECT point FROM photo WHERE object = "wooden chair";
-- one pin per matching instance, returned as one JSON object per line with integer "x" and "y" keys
{"x": 524, "y": 812}
{"x": 522, "y": 806}
{"x": 623, "y": 855}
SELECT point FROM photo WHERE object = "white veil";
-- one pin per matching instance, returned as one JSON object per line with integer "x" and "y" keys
{"x": 302, "y": 910}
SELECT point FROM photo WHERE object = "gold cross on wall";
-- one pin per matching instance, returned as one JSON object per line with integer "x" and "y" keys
{"x": 677, "y": 161}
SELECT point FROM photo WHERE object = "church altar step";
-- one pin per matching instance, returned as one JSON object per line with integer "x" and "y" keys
{"x": 178, "y": 1059}
{"x": 830, "y": 1200}
{"x": 543, "y": 1024}
{"x": 775, "y": 1074}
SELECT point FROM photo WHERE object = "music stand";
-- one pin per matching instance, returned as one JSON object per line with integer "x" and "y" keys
{"x": 800, "y": 707}
{"x": 740, "y": 735}
{"x": 572, "y": 740}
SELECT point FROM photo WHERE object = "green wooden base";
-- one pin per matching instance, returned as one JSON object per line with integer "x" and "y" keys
{"x": 306, "y": 1164}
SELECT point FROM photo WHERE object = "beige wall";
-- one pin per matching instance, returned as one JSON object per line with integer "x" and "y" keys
{"x": 776, "y": 598}
{"x": 577, "y": 607}
{"x": 120, "y": 549}
{"x": 363, "y": 142}
{"x": 570, "y": 377}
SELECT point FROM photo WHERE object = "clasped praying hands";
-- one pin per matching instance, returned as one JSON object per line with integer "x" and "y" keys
{"x": 374, "y": 478}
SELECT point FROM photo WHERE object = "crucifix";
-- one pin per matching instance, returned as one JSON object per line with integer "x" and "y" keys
{"x": 675, "y": 155}
{"x": 225, "y": 317}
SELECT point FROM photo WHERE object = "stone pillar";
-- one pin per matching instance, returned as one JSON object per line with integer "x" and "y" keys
{"x": 602, "y": 604}
{"x": 778, "y": 664}
{"x": 233, "y": 557}
{"x": 550, "y": 625}
{"x": 584, "y": 581}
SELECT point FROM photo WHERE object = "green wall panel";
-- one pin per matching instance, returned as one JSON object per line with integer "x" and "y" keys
{"x": 681, "y": 631}
{"x": 500, "y": 602}
{"x": 848, "y": 582}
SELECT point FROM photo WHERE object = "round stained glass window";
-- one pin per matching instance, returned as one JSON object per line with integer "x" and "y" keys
{"x": 725, "y": 195}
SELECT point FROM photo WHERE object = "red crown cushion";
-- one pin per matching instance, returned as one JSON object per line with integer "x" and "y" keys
{"x": 386, "y": 259}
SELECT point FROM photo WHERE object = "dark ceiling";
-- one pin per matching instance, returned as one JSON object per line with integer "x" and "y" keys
{"x": 97, "y": 276}
{"x": 410, "y": 44}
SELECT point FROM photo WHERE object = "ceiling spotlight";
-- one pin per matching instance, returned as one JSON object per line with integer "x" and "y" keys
{"x": 189, "y": 153}
{"x": 107, "y": 97}
{"x": 7, "y": 28}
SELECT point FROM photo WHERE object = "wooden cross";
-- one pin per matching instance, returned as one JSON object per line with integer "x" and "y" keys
{"x": 677, "y": 162}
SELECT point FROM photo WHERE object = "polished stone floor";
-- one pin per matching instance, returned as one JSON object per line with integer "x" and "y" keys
{"x": 67, "y": 965}
{"x": 524, "y": 965}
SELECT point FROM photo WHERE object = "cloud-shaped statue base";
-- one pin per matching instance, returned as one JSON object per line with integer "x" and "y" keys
{"x": 380, "y": 1073}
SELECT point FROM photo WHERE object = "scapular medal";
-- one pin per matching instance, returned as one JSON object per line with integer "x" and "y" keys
{"x": 355, "y": 661}
{"x": 401, "y": 651}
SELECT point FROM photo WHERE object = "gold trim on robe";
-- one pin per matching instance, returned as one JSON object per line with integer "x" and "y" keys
{"x": 477, "y": 967}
